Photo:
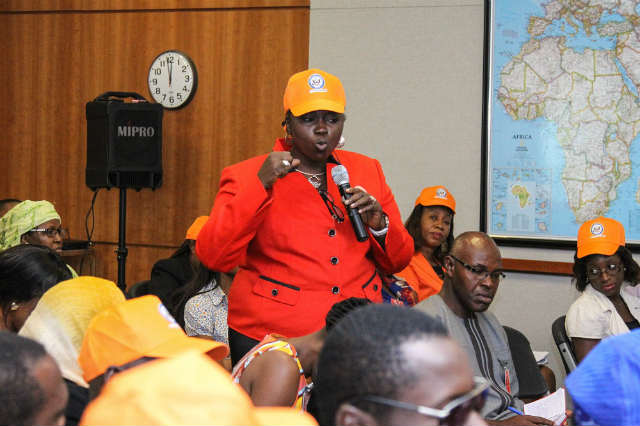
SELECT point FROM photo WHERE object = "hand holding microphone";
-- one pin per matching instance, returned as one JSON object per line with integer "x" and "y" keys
{"x": 362, "y": 207}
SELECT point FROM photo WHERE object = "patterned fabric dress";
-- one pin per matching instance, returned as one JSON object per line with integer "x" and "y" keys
{"x": 205, "y": 314}
{"x": 273, "y": 342}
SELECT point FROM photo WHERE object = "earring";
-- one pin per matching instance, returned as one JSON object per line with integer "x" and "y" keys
{"x": 340, "y": 142}
{"x": 14, "y": 306}
{"x": 288, "y": 139}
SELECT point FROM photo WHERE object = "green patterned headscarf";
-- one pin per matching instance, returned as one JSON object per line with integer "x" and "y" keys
{"x": 22, "y": 218}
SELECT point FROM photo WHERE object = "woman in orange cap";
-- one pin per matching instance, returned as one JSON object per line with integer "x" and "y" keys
{"x": 169, "y": 275}
{"x": 607, "y": 276}
{"x": 200, "y": 306}
{"x": 280, "y": 218}
{"x": 431, "y": 227}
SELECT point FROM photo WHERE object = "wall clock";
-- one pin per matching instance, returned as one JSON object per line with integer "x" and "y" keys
{"x": 173, "y": 79}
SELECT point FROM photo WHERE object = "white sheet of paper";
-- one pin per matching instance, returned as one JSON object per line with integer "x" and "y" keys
{"x": 552, "y": 407}
{"x": 541, "y": 357}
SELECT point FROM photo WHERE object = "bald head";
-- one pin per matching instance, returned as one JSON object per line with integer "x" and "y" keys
{"x": 473, "y": 270}
{"x": 473, "y": 241}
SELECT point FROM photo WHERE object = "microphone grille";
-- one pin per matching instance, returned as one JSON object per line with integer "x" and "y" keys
{"x": 340, "y": 175}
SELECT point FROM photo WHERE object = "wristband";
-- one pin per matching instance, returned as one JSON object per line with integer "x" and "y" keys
{"x": 383, "y": 231}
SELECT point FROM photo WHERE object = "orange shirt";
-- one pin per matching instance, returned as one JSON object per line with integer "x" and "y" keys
{"x": 295, "y": 261}
{"x": 421, "y": 276}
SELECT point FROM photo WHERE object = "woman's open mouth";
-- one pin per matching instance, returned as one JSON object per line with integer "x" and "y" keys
{"x": 321, "y": 145}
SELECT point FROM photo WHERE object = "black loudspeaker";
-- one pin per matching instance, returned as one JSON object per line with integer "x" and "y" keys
{"x": 124, "y": 142}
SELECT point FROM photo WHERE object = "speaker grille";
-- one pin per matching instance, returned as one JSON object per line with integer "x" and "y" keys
{"x": 136, "y": 180}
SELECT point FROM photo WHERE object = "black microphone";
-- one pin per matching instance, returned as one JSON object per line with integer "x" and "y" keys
{"x": 341, "y": 178}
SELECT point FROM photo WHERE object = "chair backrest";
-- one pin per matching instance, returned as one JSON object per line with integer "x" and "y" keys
{"x": 564, "y": 344}
{"x": 139, "y": 289}
{"x": 531, "y": 381}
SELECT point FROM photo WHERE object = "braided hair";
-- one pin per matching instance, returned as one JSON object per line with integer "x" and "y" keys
{"x": 339, "y": 310}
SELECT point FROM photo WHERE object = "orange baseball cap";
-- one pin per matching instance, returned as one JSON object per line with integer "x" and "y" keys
{"x": 196, "y": 226}
{"x": 136, "y": 328}
{"x": 314, "y": 90}
{"x": 189, "y": 389}
{"x": 601, "y": 235}
{"x": 436, "y": 196}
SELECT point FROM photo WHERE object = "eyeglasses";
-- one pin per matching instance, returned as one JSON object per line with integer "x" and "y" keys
{"x": 454, "y": 413}
{"x": 481, "y": 273}
{"x": 334, "y": 210}
{"x": 50, "y": 232}
{"x": 610, "y": 269}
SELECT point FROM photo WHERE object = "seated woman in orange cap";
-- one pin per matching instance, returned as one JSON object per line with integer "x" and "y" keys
{"x": 607, "y": 276}
{"x": 280, "y": 218}
{"x": 200, "y": 306}
{"x": 431, "y": 227}
{"x": 168, "y": 275}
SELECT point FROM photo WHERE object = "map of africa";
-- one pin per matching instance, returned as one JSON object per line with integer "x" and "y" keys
{"x": 564, "y": 116}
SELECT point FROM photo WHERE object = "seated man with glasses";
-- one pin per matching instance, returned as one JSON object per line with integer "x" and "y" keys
{"x": 473, "y": 270}
{"x": 392, "y": 365}
{"x": 607, "y": 276}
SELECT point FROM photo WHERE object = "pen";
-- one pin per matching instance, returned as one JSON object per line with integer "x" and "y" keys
{"x": 515, "y": 410}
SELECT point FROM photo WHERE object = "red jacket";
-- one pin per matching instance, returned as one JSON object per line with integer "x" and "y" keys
{"x": 295, "y": 260}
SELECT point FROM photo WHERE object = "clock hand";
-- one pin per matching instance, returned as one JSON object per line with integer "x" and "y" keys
{"x": 170, "y": 69}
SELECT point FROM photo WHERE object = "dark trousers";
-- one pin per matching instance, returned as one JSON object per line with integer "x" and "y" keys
{"x": 239, "y": 344}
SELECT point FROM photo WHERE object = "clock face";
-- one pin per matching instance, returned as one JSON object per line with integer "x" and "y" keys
{"x": 172, "y": 79}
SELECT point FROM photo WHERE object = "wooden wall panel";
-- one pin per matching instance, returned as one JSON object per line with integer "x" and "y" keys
{"x": 140, "y": 259}
{"x": 53, "y": 63}
{"x": 137, "y": 5}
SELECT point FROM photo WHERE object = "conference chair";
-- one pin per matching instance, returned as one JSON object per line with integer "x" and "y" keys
{"x": 564, "y": 344}
{"x": 530, "y": 379}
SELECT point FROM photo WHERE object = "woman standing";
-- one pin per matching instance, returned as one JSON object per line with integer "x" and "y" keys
{"x": 281, "y": 220}
{"x": 431, "y": 227}
{"x": 607, "y": 276}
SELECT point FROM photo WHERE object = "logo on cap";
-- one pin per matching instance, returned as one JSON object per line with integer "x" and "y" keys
{"x": 316, "y": 82}
{"x": 166, "y": 315}
{"x": 441, "y": 193}
{"x": 596, "y": 229}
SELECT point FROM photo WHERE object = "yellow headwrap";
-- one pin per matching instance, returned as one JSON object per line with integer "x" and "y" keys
{"x": 22, "y": 218}
{"x": 62, "y": 316}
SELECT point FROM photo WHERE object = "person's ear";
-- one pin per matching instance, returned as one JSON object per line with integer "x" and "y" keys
{"x": 23, "y": 239}
{"x": 448, "y": 266}
{"x": 348, "y": 415}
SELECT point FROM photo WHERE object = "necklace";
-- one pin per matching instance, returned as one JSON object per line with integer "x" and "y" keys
{"x": 313, "y": 178}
